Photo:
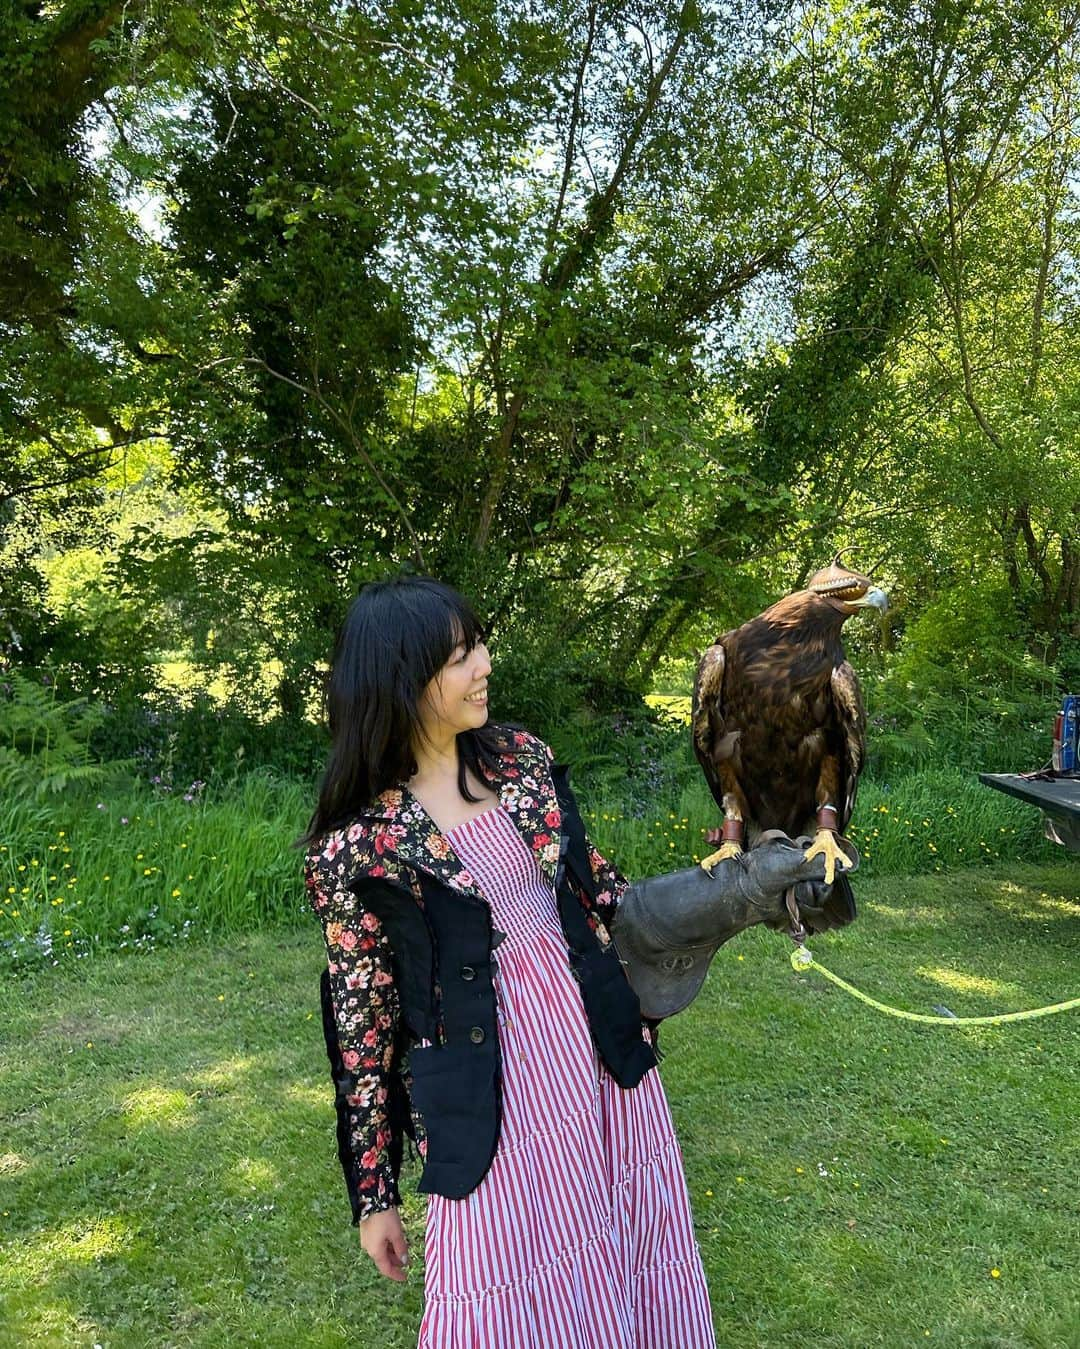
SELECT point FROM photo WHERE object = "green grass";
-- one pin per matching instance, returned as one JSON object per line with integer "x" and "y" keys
{"x": 168, "y": 1177}
{"x": 927, "y": 822}
{"x": 143, "y": 869}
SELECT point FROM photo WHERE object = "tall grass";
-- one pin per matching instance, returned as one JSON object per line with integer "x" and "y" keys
{"x": 139, "y": 867}
{"x": 925, "y": 822}
{"x": 652, "y": 807}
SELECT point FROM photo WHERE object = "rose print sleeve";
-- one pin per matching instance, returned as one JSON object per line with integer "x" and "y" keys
{"x": 363, "y": 1018}
{"x": 610, "y": 882}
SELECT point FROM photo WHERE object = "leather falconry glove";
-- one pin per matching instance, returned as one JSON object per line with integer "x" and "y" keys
{"x": 667, "y": 928}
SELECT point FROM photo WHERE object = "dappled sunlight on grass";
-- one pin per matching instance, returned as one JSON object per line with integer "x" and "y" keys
{"x": 961, "y": 982}
{"x": 1028, "y": 905}
{"x": 973, "y": 904}
{"x": 80, "y": 1242}
{"x": 157, "y": 1106}
{"x": 225, "y": 1073}
{"x": 308, "y": 1096}
{"x": 899, "y": 917}
{"x": 1055, "y": 904}
{"x": 255, "y": 1171}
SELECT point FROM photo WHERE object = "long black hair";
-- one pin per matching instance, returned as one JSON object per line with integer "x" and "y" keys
{"x": 396, "y": 636}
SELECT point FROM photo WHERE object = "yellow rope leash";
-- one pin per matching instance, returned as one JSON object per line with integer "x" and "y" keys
{"x": 801, "y": 960}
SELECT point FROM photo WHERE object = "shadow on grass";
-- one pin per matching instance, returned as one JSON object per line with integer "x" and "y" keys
{"x": 169, "y": 1177}
{"x": 172, "y": 1176}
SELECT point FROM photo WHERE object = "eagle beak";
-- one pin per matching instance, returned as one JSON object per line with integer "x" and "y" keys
{"x": 874, "y": 598}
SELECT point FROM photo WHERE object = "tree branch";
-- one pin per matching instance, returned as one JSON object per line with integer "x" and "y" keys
{"x": 332, "y": 412}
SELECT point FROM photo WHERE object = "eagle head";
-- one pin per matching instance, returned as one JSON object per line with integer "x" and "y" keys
{"x": 845, "y": 590}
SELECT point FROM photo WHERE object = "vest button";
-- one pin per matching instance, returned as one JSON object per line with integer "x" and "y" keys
{"x": 467, "y": 972}
{"x": 476, "y": 1035}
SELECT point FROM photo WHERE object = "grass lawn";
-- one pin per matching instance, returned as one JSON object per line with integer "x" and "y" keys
{"x": 168, "y": 1177}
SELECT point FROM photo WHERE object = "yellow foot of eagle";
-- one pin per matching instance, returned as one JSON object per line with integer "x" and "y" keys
{"x": 825, "y": 842}
{"x": 726, "y": 850}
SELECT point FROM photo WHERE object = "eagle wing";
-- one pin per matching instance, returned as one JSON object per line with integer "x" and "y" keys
{"x": 707, "y": 716}
{"x": 851, "y": 720}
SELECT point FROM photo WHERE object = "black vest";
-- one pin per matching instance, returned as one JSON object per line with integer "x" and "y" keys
{"x": 443, "y": 968}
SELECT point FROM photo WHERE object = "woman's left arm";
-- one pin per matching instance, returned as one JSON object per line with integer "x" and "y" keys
{"x": 611, "y": 884}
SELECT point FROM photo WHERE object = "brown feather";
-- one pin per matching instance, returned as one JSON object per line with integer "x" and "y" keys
{"x": 777, "y": 709}
{"x": 847, "y": 699}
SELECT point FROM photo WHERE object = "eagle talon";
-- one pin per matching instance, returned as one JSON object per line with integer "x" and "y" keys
{"x": 726, "y": 850}
{"x": 826, "y": 844}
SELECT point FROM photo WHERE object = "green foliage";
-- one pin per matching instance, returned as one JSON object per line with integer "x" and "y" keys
{"x": 45, "y": 742}
{"x": 148, "y": 865}
{"x": 621, "y": 337}
{"x": 184, "y": 738}
{"x": 964, "y": 689}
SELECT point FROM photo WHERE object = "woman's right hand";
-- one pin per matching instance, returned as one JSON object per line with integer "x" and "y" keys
{"x": 383, "y": 1238}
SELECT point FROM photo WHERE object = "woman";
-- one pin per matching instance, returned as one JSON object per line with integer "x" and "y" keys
{"x": 472, "y": 999}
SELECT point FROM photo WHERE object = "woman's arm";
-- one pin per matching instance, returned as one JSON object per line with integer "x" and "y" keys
{"x": 611, "y": 884}
{"x": 361, "y": 1027}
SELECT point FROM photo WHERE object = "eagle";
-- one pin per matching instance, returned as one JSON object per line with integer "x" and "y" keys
{"x": 779, "y": 726}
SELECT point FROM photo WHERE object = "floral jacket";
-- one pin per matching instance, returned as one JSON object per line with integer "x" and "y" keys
{"x": 395, "y": 837}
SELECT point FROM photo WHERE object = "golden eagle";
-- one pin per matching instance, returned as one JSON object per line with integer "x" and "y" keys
{"x": 778, "y": 721}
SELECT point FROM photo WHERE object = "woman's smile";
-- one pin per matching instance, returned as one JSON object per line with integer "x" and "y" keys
{"x": 441, "y": 703}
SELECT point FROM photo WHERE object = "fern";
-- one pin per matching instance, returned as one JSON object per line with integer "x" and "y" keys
{"x": 44, "y": 742}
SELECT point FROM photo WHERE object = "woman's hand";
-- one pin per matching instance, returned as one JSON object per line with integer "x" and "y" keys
{"x": 383, "y": 1238}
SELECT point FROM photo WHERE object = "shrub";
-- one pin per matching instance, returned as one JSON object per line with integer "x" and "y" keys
{"x": 44, "y": 741}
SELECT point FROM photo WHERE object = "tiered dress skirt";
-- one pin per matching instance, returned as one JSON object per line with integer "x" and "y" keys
{"x": 580, "y": 1235}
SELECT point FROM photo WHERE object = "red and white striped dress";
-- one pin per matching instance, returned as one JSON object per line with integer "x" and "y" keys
{"x": 580, "y": 1235}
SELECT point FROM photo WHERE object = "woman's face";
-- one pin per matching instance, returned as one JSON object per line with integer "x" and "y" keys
{"x": 456, "y": 699}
